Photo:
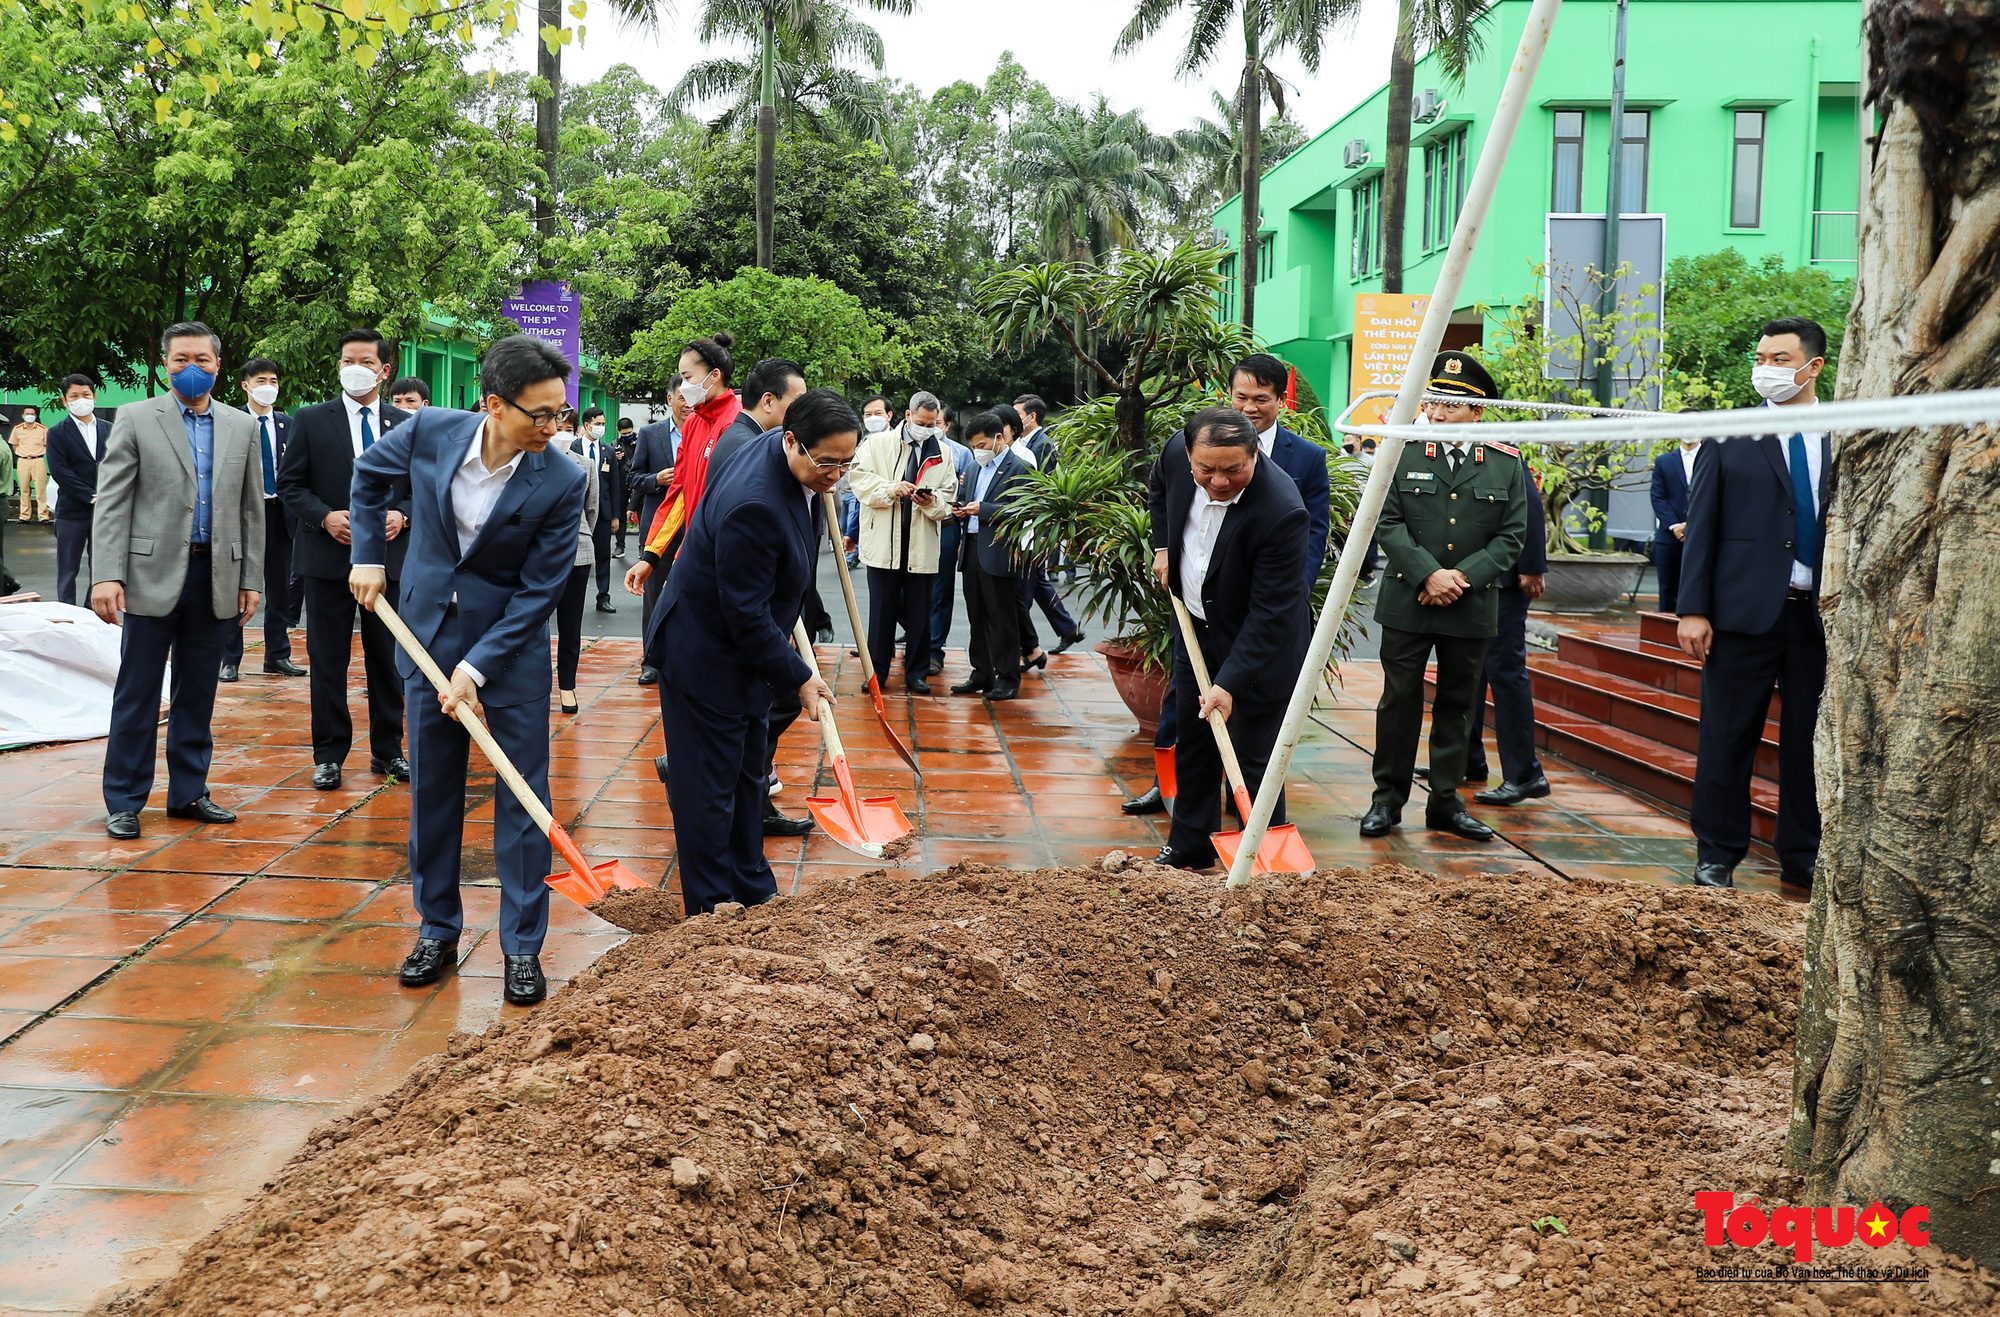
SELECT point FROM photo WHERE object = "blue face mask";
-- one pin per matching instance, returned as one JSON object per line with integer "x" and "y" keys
{"x": 192, "y": 382}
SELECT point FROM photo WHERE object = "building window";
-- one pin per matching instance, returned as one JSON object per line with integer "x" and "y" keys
{"x": 1226, "y": 299}
{"x": 1267, "y": 256}
{"x": 1568, "y": 195}
{"x": 1444, "y": 188}
{"x": 1632, "y": 180}
{"x": 1746, "y": 175}
{"x": 1367, "y": 229}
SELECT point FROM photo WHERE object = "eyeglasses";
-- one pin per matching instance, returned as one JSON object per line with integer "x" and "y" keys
{"x": 832, "y": 466}
{"x": 541, "y": 420}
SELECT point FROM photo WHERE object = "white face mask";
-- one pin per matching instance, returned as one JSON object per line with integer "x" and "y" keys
{"x": 266, "y": 394}
{"x": 983, "y": 455}
{"x": 359, "y": 381}
{"x": 875, "y": 424}
{"x": 919, "y": 432}
{"x": 594, "y": 430}
{"x": 1776, "y": 383}
{"x": 694, "y": 392}
{"x": 81, "y": 407}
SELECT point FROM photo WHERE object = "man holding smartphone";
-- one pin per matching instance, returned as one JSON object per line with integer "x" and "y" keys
{"x": 905, "y": 483}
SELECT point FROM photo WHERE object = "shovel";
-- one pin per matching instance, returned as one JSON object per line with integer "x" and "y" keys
{"x": 861, "y": 634}
{"x": 1283, "y": 851}
{"x": 584, "y": 882}
{"x": 863, "y": 824}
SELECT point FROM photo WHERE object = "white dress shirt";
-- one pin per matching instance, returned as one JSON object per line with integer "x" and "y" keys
{"x": 1021, "y": 450}
{"x": 475, "y": 492}
{"x": 981, "y": 482}
{"x": 1204, "y": 523}
{"x": 267, "y": 435}
{"x": 1687, "y": 462}
{"x": 354, "y": 410}
{"x": 1802, "y": 575}
{"x": 1267, "y": 439}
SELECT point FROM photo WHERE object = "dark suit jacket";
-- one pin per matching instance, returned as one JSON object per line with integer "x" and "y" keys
{"x": 738, "y": 435}
{"x": 1301, "y": 459}
{"x": 1534, "y": 559}
{"x": 652, "y": 454}
{"x": 723, "y": 627}
{"x": 315, "y": 479}
{"x": 610, "y": 483}
{"x": 281, "y": 436}
{"x": 74, "y": 468}
{"x": 1255, "y": 593}
{"x": 1736, "y": 562}
{"x": 996, "y": 556}
{"x": 511, "y": 578}
{"x": 1670, "y": 491}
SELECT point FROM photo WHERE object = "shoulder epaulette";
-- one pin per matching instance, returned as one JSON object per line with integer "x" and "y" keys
{"x": 1508, "y": 449}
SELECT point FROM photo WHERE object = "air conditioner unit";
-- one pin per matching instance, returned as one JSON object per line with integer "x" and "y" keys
{"x": 1356, "y": 153}
{"x": 1429, "y": 105}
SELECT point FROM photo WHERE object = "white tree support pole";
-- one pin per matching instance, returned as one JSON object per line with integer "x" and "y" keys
{"x": 1464, "y": 236}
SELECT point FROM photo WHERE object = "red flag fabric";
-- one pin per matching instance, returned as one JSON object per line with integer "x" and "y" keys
{"x": 1291, "y": 388}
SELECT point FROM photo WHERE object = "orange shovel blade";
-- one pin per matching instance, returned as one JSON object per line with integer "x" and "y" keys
{"x": 584, "y": 882}
{"x": 864, "y": 824}
{"x": 1283, "y": 851}
{"x": 1163, "y": 770}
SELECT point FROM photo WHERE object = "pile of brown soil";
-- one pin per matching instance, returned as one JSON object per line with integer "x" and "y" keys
{"x": 1084, "y": 1091}
{"x": 639, "y": 909}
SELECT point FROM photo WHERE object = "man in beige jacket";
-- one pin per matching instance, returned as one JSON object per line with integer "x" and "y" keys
{"x": 177, "y": 535}
{"x": 905, "y": 482}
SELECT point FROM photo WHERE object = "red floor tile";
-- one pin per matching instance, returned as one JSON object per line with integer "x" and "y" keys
{"x": 293, "y": 898}
{"x": 85, "y": 933}
{"x": 339, "y": 1000}
{"x": 247, "y": 943}
{"x": 211, "y": 854}
{"x": 44, "y": 889}
{"x": 100, "y": 1054}
{"x": 187, "y": 1143}
{"x": 36, "y": 983}
{"x": 368, "y": 862}
{"x": 270, "y": 1061}
{"x": 43, "y": 1128}
{"x": 175, "y": 893}
{"x": 171, "y": 991}
{"x": 131, "y": 1240}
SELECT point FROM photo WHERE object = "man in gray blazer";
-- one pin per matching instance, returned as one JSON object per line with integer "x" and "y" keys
{"x": 177, "y": 537}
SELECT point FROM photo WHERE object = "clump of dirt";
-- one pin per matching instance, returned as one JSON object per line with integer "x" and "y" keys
{"x": 897, "y": 849}
{"x": 1082, "y": 1091}
{"x": 639, "y": 909}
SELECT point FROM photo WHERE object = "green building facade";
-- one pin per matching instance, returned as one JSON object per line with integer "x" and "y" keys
{"x": 1741, "y": 128}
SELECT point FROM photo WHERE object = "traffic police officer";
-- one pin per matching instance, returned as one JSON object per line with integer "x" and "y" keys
{"x": 1454, "y": 522}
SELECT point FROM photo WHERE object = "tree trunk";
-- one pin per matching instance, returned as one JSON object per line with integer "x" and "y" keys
{"x": 1130, "y": 410}
{"x": 767, "y": 148}
{"x": 1893, "y": 1093}
{"x": 1396, "y": 148}
{"x": 548, "y": 66}
{"x": 1250, "y": 109}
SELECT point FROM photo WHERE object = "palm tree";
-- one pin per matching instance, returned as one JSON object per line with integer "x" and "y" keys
{"x": 1267, "y": 26}
{"x": 816, "y": 35}
{"x": 814, "y": 85}
{"x": 1213, "y": 150}
{"x": 1092, "y": 173}
{"x": 1450, "y": 30}
{"x": 550, "y": 38}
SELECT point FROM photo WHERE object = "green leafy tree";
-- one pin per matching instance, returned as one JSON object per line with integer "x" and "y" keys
{"x": 1718, "y": 304}
{"x": 1092, "y": 170}
{"x": 826, "y": 330}
{"x": 1264, "y": 27}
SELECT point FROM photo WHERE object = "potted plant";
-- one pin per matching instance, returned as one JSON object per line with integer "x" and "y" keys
{"x": 1528, "y": 363}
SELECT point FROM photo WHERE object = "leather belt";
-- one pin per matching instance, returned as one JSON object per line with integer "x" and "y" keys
{"x": 1793, "y": 592}
{"x": 200, "y": 548}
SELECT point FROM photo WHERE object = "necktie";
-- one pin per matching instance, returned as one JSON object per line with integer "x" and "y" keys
{"x": 1805, "y": 537}
{"x": 270, "y": 472}
{"x": 367, "y": 430}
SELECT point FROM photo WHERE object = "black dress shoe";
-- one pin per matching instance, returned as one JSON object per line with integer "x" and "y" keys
{"x": 525, "y": 984}
{"x": 1150, "y": 803}
{"x": 937, "y": 666}
{"x": 1715, "y": 875}
{"x": 1800, "y": 878}
{"x": 123, "y": 826}
{"x": 326, "y": 777}
{"x": 1073, "y": 638}
{"x": 777, "y": 824}
{"x": 1378, "y": 820}
{"x": 917, "y": 686}
{"x": 398, "y": 768}
{"x": 1513, "y": 793}
{"x": 1460, "y": 824}
{"x": 1004, "y": 689}
{"x": 1178, "y": 859}
{"x": 604, "y": 605}
{"x": 649, "y": 675}
{"x": 230, "y": 672}
{"x": 282, "y": 668}
{"x": 202, "y": 810}
{"x": 977, "y": 684}
{"x": 427, "y": 962}
{"x": 660, "y": 767}
{"x": 1040, "y": 660}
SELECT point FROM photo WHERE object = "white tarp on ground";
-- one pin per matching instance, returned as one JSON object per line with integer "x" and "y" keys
{"x": 58, "y": 664}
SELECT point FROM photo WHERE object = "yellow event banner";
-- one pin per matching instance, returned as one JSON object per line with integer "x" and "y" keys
{"x": 1385, "y": 330}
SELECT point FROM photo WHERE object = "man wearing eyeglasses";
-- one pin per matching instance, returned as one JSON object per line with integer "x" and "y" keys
{"x": 492, "y": 537}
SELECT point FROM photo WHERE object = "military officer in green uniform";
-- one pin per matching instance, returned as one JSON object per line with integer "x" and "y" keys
{"x": 1454, "y": 521}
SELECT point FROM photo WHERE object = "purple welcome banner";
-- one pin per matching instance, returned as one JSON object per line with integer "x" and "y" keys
{"x": 552, "y": 312}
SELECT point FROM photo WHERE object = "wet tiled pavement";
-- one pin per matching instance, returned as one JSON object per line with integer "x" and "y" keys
{"x": 177, "y": 1012}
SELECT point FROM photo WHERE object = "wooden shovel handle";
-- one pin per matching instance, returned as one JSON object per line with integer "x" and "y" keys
{"x": 1223, "y": 744}
{"x": 824, "y": 714}
{"x": 501, "y": 763}
{"x": 847, "y": 588}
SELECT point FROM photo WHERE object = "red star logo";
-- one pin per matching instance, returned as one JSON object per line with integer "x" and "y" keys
{"x": 1878, "y": 1225}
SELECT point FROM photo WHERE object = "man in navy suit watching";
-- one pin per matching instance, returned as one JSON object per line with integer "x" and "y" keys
{"x": 74, "y": 447}
{"x": 1749, "y": 606}
{"x": 1257, "y": 389}
{"x": 492, "y": 536}
{"x": 1672, "y": 474}
{"x": 721, "y": 638}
